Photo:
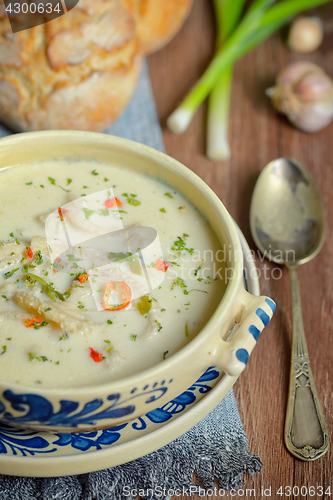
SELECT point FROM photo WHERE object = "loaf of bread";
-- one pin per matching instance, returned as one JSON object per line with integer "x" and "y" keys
{"x": 158, "y": 20}
{"x": 75, "y": 72}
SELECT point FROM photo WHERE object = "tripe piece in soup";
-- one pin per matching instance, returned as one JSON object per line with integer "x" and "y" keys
{"x": 104, "y": 272}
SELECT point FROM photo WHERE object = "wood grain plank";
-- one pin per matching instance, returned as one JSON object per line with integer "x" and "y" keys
{"x": 258, "y": 135}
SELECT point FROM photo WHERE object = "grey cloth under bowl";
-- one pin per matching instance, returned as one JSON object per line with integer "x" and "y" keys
{"x": 215, "y": 448}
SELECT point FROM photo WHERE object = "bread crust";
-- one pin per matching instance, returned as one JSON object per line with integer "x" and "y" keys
{"x": 75, "y": 72}
{"x": 158, "y": 20}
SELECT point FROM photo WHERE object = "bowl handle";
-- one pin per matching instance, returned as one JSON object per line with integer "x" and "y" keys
{"x": 254, "y": 314}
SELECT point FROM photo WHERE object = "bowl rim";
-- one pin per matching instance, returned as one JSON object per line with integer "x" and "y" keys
{"x": 174, "y": 166}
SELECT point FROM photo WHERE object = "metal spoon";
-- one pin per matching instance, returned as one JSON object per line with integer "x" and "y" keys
{"x": 288, "y": 226}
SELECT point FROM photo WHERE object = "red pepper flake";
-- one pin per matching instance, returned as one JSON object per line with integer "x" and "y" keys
{"x": 29, "y": 253}
{"x": 31, "y": 323}
{"x": 96, "y": 356}
{"x": 83, "y": 278}
{"x": 62, "y": 213}
{"x": 160, "y": 265}
{"x": 125, "y": 295}
{"x": 112, "y": 202}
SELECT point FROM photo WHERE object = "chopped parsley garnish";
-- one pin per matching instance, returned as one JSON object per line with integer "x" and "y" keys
{"x": 48, "y": 309}
{"x": 4, "y": 349}
{"x": 11, "y": 235}
{"x": 10, "y": 273}
{"x": 80, "y": 305}
{"x": 159, "y": 325}
{"x": 132, "y": 260}
{"x": 163, "y": 210}
{"x": 72, "y": 257}
{"x": 39, "y": 258}
{"x": 69, "y": 181}
{"x": 64, "y": 337}
{"x": 133, "y": 337}
{"x": 28, "y": 183}
{"x": 179, "y": 245}
{"x": 109, "y": 322}
{"x": 110, "y": 348}
{"x": 144, "y": 305}
{"x": 4, "y": 297}
{"x": 105, "y": 179}
{"x": 94, "y": 172}
{"x": 34, "y": 357}
{"x": 88, "y": 212}
{"x": 165, "y": 354}
{"x": 196, "y": 271}
{"x": 131, "y": 199}
{"x": 168, "y": 195}
{"x": 37, "y": 326}
{"x": 178, "y": 282}
{"x": 67, "y": 191}
{"x": 41, "y": 186}
{"x": 51, "y": 180}
{"x": 186, "y": 331}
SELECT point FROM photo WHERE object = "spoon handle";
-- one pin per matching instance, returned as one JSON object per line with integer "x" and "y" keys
{"x": 305, "y": 433}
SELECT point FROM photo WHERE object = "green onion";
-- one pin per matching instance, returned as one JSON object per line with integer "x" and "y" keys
{"x": 47, "y": 288}
{"x": 228, "y": 13}
{"x": 260, "y": 21}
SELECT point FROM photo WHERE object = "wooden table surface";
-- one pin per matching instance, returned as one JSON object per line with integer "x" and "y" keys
{"x": 258, "y": 135}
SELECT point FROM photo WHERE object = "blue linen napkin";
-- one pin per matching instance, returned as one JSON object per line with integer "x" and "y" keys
{"x": 217, "y": 447}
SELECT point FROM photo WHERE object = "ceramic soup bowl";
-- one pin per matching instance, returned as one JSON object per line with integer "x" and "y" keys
{"x": 114, "y": 403}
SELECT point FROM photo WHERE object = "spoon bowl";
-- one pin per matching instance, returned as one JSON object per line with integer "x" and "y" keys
{"x": 288, "y": 225}
{"x": 287, "y": 215}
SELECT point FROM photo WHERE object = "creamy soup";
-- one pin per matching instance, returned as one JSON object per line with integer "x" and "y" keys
{"x": 103, "y": 272}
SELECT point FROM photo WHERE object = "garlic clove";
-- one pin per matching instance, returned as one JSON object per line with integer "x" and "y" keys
{"x": 304, "y": 92}
{"x": 314, "y": 86}
{"x": 284, "y": 100}
{"x": 294, "y": 72}
{"x": 312, "y": 118}
{"x": 306, "y": 34}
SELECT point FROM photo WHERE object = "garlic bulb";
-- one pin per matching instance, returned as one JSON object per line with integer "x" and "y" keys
{"x": 304, "y": 92}
{"x": 306, "y": 34}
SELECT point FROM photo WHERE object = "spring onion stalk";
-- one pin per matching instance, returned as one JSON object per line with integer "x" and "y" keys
{"x": 256, "y": 26}
{"x": 228, "y": 13}
{"x": 218, "y": 147}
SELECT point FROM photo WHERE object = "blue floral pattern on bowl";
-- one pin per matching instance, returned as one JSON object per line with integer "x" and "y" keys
{"x": 29, "y": 443}
{"x": 39, "y": 410}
